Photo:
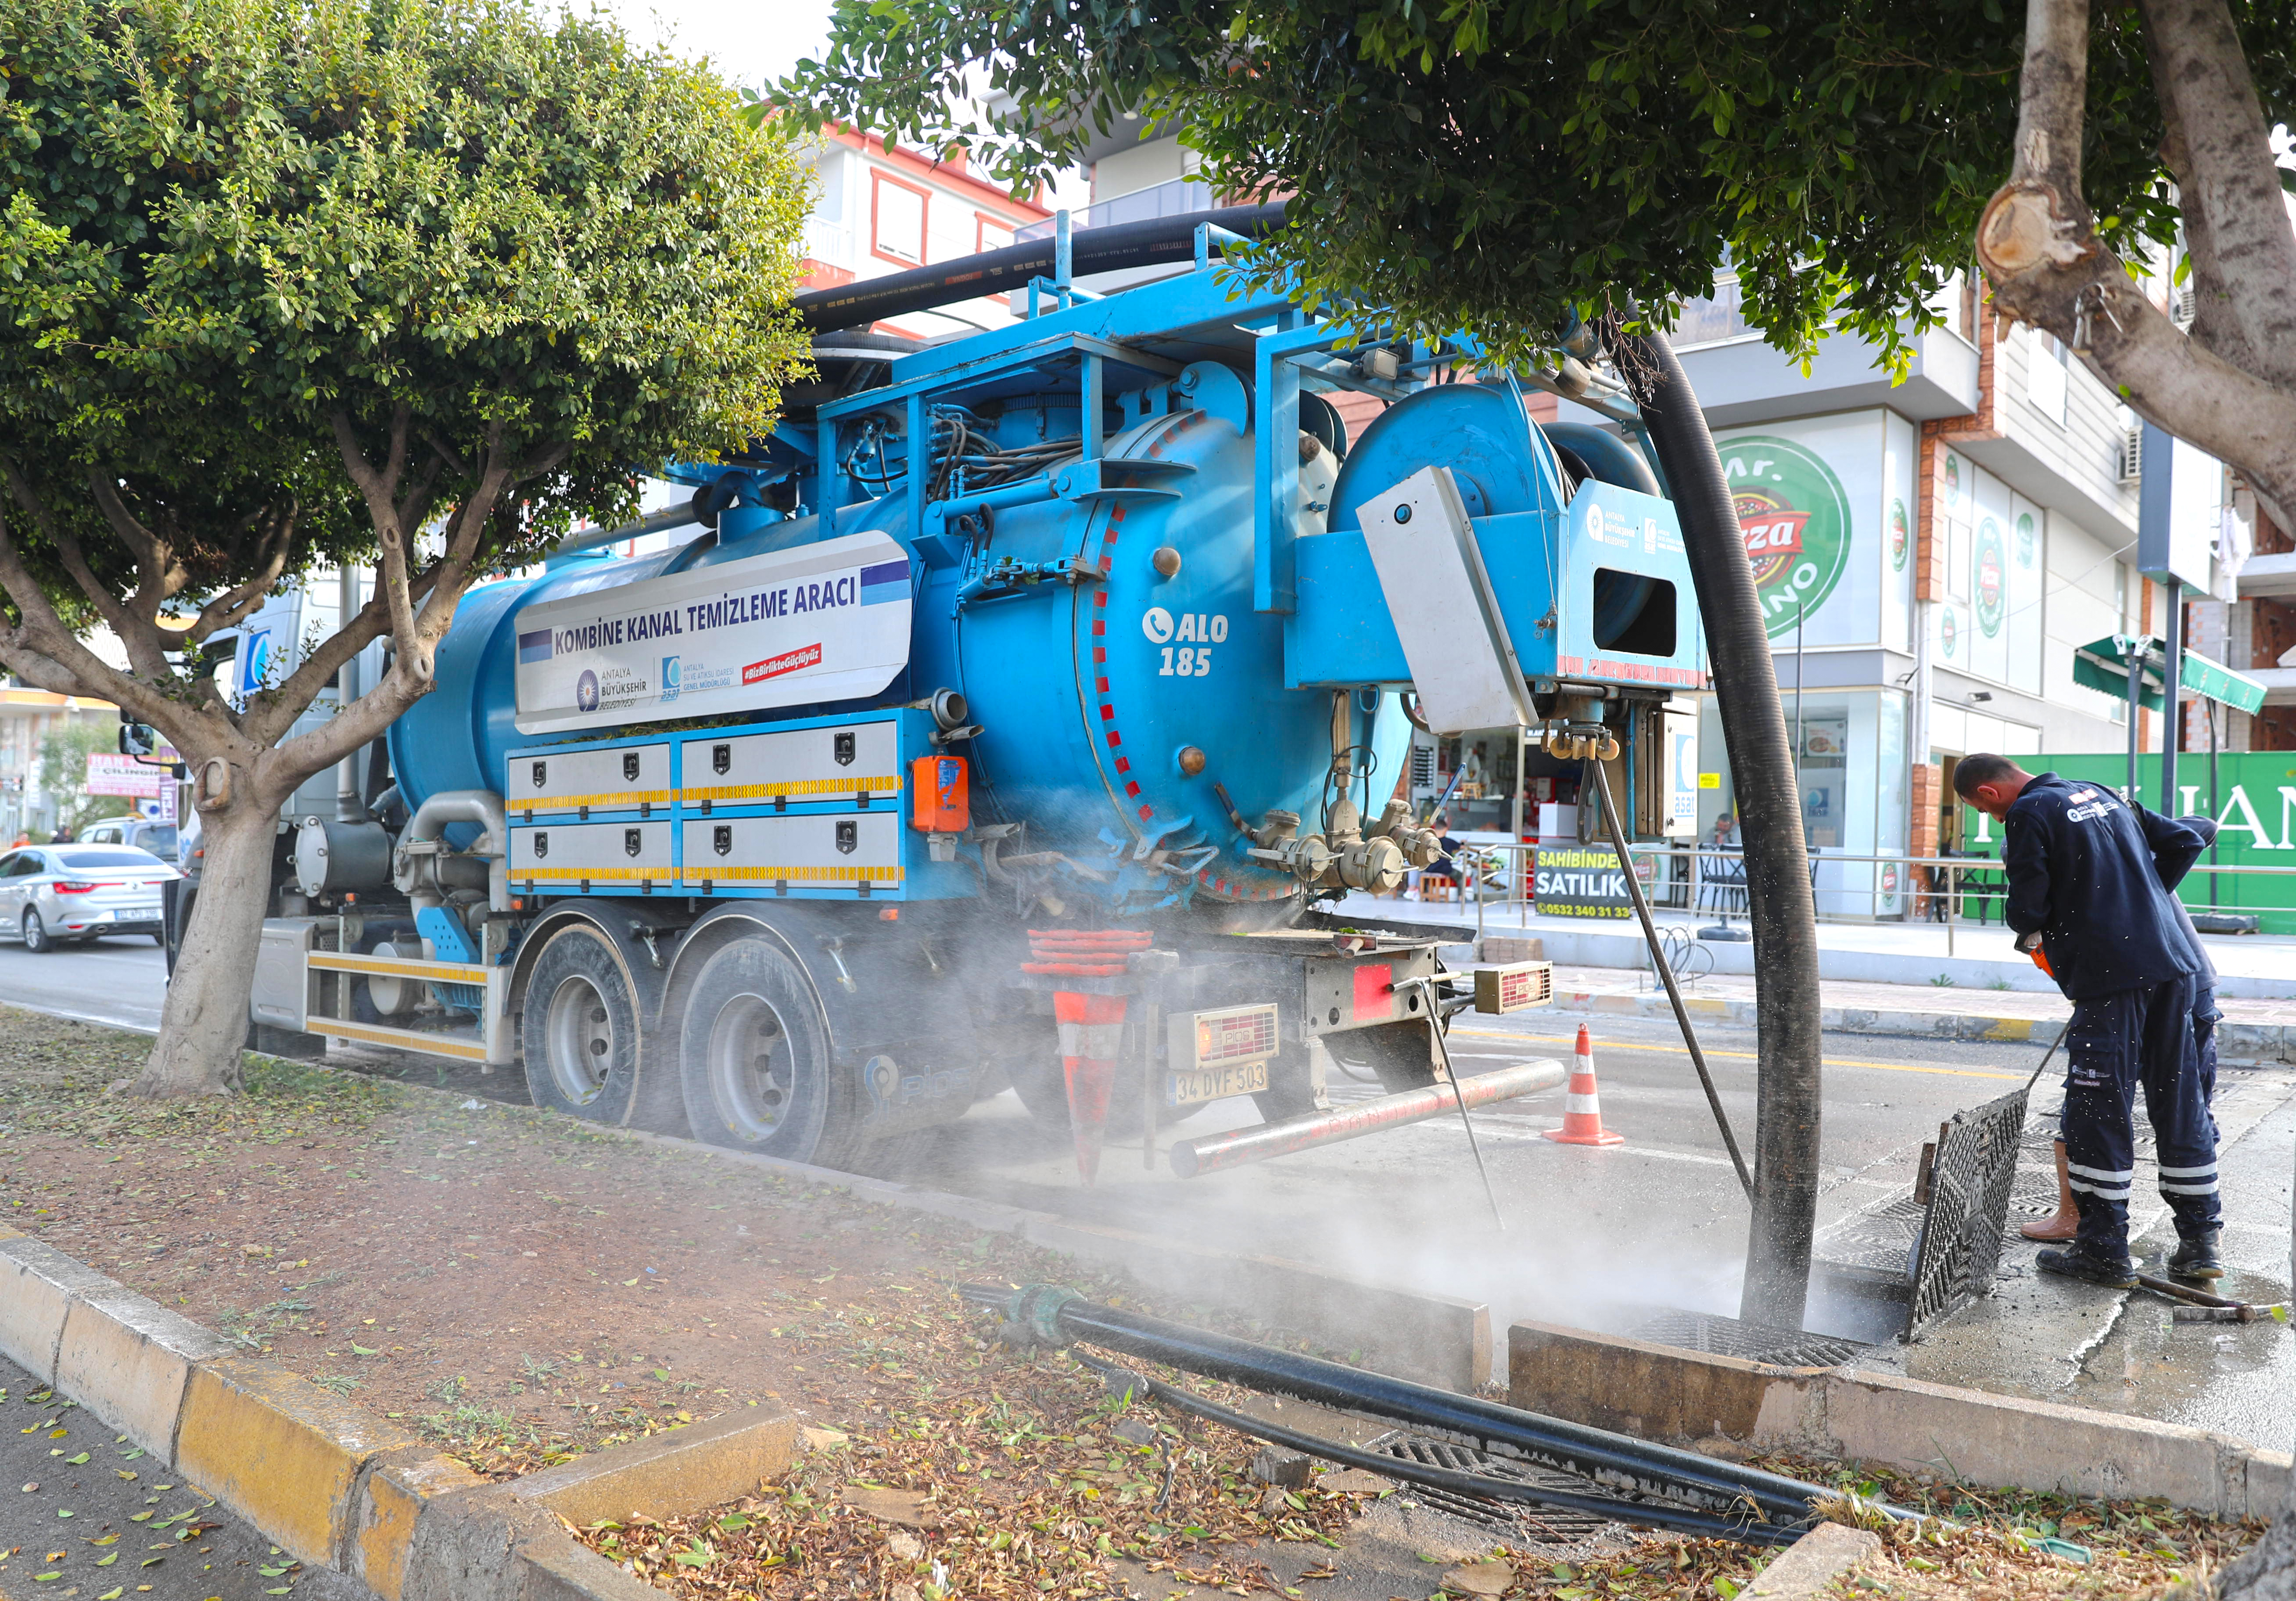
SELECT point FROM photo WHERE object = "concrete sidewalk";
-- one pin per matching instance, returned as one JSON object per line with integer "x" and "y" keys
{"x": 1894, "y": 955}
{"x": 2252, "y": 1030}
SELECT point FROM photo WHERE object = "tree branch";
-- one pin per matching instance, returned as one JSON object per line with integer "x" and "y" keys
{"x": 235, "y": 604}
{"x": 41, "y": 650}
{"x": 145, "y": 650}
{"x": 2244, "y": 251}
{"x": 159, "y": 576}
{"x": 392, "y": 536}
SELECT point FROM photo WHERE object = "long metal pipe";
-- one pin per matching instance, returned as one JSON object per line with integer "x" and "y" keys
{"x": 1058, "y": 1317}
{"x": 1192, "y": 1158}
{"x": 1159, "y": 241}
{"x": 1781, "y": 905}
{"x": 1650, "y": 1514}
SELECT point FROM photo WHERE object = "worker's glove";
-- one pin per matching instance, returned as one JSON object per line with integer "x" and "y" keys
{"x": 2026, "y": 944}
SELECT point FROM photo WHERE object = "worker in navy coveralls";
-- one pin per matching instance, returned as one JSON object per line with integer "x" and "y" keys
{"x": 2091, "y": 882}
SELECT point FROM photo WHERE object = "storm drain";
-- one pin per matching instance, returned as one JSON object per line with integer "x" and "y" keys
{"x": 1538, "y": 1526}
{"x": 1721, "y": 1336}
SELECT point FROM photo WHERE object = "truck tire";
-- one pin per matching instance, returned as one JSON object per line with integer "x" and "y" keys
{"x": 580, "y": 1035}
{"x": 757, "y": 1064}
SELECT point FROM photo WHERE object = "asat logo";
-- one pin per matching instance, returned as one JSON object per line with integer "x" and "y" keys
{"x": 1989, "y": 577}
{"x": 2025, "y": 536}
{"x": 1795, "y": 517}
{"x": 1898, "y": 534}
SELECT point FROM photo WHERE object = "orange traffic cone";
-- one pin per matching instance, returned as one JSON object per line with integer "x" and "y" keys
{"x": 1582, "y": 1112}
{"x": 1092, "y": 1036}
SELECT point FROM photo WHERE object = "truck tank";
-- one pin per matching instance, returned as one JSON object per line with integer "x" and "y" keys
{"x": 1120, "y": 700}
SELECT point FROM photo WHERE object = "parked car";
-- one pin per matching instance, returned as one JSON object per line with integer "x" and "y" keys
{"x": 145, "y": 833}
{"x": 53, "y": 895}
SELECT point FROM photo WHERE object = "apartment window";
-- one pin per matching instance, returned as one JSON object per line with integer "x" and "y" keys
{"x": 991, "y": 234}
{"x": 897, "y": 221}
{"x": 2044, "y": 376}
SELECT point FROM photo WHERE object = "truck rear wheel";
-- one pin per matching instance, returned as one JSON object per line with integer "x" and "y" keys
{"x": 756, "y": 1061}
{"x": 580, "y": 1035}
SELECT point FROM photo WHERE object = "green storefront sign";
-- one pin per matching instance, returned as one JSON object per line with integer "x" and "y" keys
{"x": 1795, "y": 516}
{"x": 2255, "y": 808}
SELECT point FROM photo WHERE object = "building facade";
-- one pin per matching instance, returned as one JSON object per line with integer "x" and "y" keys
{"x": 878, "y": 211}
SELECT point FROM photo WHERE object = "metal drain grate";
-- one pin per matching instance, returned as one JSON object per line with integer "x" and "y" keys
{"x": 1538, "y": 1526}
{"x": 1970, "y": 1181}
{"x": 1754, "y": 1341}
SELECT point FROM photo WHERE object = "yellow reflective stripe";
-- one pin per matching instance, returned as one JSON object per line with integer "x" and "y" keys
{"x": 408, "y": 967}
{"x": 569, "y": 802}
{"x": 817, "y": 875}
{"x": 600, "y": 874}
{"x": 791, "y": 786}
{"x": 407, "y": 1040}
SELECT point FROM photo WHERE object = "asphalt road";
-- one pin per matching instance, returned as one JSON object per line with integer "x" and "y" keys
{"x": 84, "y": 1513}
{"x": 1657, "y": 1221}
{"x": 121, "y": 980}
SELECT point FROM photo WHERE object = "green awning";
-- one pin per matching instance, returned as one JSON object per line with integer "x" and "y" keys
{"x": 2103, "y": 664}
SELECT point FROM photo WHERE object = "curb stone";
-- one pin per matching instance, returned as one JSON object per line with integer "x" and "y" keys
{"x": 1809, "y": 1566}
{"x": 2236, "y": 1041}
{"x": 332, "y": 1485}
{"x": 1971, "y": 1436}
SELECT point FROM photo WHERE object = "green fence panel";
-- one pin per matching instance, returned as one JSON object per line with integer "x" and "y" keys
{"x": 2253, "y": 802}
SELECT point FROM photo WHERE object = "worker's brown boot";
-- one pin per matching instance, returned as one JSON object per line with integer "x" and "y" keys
{"x": 2067, "y": 1222}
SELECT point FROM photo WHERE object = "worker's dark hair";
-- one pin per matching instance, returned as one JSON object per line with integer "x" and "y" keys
{"x": 1983, "y": 767}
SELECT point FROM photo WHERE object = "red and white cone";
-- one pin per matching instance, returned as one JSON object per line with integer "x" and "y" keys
{"x": 1582, "y": 1111}
{"x": 1092, "y": 1037}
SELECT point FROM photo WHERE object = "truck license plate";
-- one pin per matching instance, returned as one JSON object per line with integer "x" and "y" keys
{"x": 1214, "y": 1083}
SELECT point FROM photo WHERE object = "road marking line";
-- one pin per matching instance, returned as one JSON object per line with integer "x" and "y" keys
{"x": 1676, "y": 1050}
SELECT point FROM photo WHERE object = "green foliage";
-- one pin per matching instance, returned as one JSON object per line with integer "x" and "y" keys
{"x": 63, "y": 772}
{"x": 232, "y": 227}
{"x": 1494, "y": 168}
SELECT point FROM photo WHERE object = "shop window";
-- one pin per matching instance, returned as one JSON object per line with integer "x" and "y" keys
{"x": 897, "y": 222}
{"x": 1634, "y": 612}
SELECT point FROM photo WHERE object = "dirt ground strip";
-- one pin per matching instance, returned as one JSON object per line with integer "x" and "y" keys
{"x": 519, "y": 1288}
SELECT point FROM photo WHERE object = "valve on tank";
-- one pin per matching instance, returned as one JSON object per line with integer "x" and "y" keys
{"x": 1304, "y": 856}
{"x": 1421, "y": 846}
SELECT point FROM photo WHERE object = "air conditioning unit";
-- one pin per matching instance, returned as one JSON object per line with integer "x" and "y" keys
{"x": 2184, "y": 305}
{"x": 2132, "y": 455}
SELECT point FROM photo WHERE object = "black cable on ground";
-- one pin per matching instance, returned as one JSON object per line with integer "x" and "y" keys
{"x": 1058, "y": 1316}
{"x": 1647, "y": 1515}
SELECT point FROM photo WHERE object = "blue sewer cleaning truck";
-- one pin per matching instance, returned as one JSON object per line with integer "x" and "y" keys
{"x": 1025, "y": 700}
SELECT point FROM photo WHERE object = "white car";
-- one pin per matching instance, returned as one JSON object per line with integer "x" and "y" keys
{"x": 53, "y": 895}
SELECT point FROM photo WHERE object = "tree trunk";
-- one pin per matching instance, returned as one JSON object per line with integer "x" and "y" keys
{"x": 204, "y": 1022}
{"x": 2266, "y": 1571}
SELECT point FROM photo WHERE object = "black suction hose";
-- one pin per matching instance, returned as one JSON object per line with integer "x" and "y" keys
{"x": 1159, "y": 241}
{"x": 1781, "y": 907}
{"x": 1649, "y": 1515}
{"x": 1060, "y": 1317}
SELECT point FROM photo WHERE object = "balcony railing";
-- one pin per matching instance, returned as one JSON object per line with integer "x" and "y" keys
{"x": 1175, "y": 198}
